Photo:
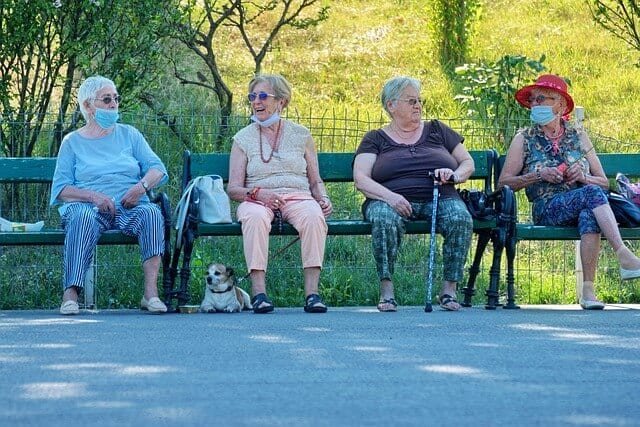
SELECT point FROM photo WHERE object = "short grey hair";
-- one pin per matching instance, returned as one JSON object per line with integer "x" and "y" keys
{"x": 280, "y": 85}
{"x": 89, "y": 89}
{"x": 394, "y": 87}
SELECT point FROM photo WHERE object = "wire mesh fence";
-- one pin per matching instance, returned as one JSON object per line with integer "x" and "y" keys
{"x": 31, "y": 277}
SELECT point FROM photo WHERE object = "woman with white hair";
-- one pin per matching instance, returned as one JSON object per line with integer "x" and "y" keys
{"x": 390, "y": 169}
{"x": 274, "y": 170}
{"x": 103, "y": 173}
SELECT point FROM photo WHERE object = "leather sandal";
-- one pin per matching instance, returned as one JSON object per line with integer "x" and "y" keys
{"x": 314, "y": 304}
{"x": 261, "y": 304}
{"x": 388, "y": 305}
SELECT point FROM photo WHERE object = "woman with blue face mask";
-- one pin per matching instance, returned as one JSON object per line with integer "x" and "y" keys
{"x": 274, "y": 173}
{"x": 103, "y": 173}
{"x": 562, "y": 176}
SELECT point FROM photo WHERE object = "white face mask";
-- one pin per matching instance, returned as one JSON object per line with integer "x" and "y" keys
{"x": 267, "y": 122}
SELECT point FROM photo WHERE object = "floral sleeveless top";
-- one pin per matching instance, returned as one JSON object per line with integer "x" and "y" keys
{"x": 539, "y": 152}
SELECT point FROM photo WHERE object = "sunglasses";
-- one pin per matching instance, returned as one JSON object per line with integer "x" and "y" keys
{"x": 107, "y": 99}
{"x": 261, "y": 96}
{"x": 540, "y": 99}
{"x": 411, "y": 101}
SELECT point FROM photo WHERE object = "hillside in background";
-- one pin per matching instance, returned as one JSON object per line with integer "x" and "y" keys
{"x": 344, "y": 61}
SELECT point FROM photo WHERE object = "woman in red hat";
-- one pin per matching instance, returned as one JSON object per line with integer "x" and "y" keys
{"x": 562, "y": 176}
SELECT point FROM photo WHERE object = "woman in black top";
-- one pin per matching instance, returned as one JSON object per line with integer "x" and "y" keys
{"x": 390, "y": 169}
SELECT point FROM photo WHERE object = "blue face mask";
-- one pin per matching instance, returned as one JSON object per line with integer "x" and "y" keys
{"x": 542, "y": 114}
{"x": 268, "y": 122}
{"x": 106, "y": 118}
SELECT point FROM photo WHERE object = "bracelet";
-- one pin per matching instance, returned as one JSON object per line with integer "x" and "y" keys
{"x": 324, "y": 196}
{"x": 253, "y": 193}
{"x": 538, "y": 176}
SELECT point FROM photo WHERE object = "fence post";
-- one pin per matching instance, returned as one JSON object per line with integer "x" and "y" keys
{"x": 578, "y": 121}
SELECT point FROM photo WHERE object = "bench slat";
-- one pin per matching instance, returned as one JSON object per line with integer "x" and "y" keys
{"x": 27, "y": 169}
{"x": 336, "y": 227}
{"x": 334, "y": 167}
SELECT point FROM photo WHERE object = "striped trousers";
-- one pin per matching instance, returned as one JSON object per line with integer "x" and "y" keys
{"x": 83, "y": 226}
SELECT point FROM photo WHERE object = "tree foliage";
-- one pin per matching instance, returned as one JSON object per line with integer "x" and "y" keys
{"x": 487, "y": 91}
{"x": 620, "y": 17}
{"x": 452, "y": 28}
{"x": 258, "y": 23}
{"x": 49, "y": 46}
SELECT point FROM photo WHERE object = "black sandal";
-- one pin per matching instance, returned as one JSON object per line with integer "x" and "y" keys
{"x": 257, "y": 303}
{"x": 314, "y": 304}
{"x": 445, "y": 300}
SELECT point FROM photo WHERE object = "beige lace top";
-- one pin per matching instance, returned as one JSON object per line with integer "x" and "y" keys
{"x": 287, "y": 170}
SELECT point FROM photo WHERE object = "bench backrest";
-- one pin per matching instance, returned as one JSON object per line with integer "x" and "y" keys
{"x": 27, "y": 169}
{"x": 334, "y": 167}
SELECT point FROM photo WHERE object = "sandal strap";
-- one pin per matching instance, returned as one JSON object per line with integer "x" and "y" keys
{"x": 313, "y": 299}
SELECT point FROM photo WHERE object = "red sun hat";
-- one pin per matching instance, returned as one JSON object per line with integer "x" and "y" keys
{"x": 546, "y": 81}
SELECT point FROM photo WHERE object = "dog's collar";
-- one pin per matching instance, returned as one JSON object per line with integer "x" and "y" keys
{"x": 230, "y": 287}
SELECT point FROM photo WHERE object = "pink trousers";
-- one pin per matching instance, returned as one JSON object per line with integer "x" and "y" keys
{"x": 301, "y": 211}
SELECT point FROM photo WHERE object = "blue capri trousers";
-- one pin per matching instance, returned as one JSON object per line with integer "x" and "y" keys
{"x": 83, "y": 226}
{"x": 574, "y": 207}
{"x": 453, "y": 222}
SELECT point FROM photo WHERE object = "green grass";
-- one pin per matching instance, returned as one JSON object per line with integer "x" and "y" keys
{"x": 337, "y": 70}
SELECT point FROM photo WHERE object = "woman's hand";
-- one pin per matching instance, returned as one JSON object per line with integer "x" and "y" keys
{"x": 104, "y": 203}
{"x": 326, "y": 206}
{"x": 270, "y": 199}
{"x": 552, "y": 175}
{"x": 400, "y": 204}
{"x": 445, "y": 174}
{"x": 132, "y": 197}
{"x": 575, "y": 173}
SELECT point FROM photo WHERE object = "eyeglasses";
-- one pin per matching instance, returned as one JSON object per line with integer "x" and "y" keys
{"x": 107, "y": 99}
{"x": 540, "y": 99}
{"x": 411, "y": 101}
{"x": 261, "y": 96}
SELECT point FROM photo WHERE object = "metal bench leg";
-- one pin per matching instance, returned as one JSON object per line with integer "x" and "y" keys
{"x": 511, "y": 255}
{"x": 498, "y": 238}
{"x": 469, "y": 290}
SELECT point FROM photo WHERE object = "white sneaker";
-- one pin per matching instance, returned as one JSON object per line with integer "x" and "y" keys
{"x": 154, "y": 305}
{"x": 69, "y": 308}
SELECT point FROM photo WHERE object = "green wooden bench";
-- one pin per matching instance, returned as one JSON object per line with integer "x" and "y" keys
{"x": 337, "y": 168}
{"x": 39, "y": 170}
{"x": 613, "y": 163}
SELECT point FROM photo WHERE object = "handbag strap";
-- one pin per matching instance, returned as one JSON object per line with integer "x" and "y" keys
{"x": 182, "y": 207}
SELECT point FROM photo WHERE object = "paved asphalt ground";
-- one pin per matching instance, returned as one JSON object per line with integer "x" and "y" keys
{"x": 541, "y": 365}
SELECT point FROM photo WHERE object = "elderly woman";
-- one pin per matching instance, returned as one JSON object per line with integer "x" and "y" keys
{"x": 558, "y": 167}
{"x": 391, "y": 167}
{"x": 102, "y": 176}
{"x": 274, "y": 170}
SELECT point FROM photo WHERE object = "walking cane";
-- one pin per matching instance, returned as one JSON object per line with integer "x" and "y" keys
{"x": 432, "y": 244}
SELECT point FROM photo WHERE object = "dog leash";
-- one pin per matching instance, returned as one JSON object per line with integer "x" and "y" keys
{"x": 280, "y": 225}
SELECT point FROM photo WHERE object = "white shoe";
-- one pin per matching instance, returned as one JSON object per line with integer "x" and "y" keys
{"x": 591, "y": 304}
{"x": 69, "y": 308}
{"x": 629, "y": 274}
{"x": 154, "y": 305}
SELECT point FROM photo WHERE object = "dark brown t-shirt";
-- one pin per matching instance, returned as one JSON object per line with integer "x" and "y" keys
{"x": 404, "y": 169}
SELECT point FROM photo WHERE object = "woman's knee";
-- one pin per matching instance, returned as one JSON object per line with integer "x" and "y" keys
{"x": 594, "y": 196}
{"x": 80, "y": 215}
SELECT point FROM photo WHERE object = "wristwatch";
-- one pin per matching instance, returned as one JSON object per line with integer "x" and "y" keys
{"x": 144, "y": 184}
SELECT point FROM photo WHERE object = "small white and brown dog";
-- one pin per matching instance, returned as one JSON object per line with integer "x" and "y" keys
{"x": 222, "y": 293}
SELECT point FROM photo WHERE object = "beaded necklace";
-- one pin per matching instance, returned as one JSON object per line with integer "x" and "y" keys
{"x": 275, "y": 145}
